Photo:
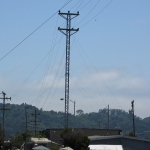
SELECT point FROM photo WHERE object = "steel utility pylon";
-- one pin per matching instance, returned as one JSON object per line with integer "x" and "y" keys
{"x": 68, "y": 31}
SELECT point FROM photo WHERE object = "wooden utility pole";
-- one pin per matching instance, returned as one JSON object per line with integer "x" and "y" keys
{"x": 132, "y": 105}
{"x": 35, "y": 120}
{"x": 26, "y": 126}
{"x": 3, "y": 109}
{"x": 108, "y": 116}
{"x": 99, "y": 124}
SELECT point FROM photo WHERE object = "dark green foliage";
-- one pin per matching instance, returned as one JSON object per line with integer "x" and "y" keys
{"x": 130, "y": 134}
{"x": 79, "y": 112}
{"x": 75, "y": 140}
{"x": 15, "y": 120}
{"x": 22, "y": 137}
{"x": 18, "y": 140}
{"x": 55, "y": 147}
{"x": 8, "y": 145}
{"x": 38, "y": 135}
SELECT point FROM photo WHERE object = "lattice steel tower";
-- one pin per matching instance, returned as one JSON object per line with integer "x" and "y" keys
{"x": 68, "y": 31}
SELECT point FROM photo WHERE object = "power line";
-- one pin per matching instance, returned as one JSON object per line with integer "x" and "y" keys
{"x": 55, "y": 88}
{"x": 97, "y": 14}
{"x": 85, "y": 5}
{"x": 100, "y": 76}
{"x": 55, "y": 79}
{"x": 44, "y": 82}
{"x": 34, "y": 31}
{"x": 92, "y": 77}
{"x": 21, "y": 85}
{"x": 89, "y": 12}
{"x": 79, "y": 5}
{"x": 84, "y": 18}
{"x": 76, "y": 5}
{"x": 85, "y": 95}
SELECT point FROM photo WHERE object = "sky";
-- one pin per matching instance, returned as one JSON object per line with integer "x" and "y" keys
{"x": 109, "y": 55}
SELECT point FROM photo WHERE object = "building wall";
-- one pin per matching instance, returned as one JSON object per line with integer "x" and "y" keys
{"x": 54, "y": 134}
{"x": 115, "y": 141}
{"x": 136, "y": 144}
{"x": 101, "y": 132}
{"x": 131, "y": 143}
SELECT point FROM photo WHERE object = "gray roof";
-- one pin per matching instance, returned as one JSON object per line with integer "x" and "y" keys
{"x": 97, "y": 137}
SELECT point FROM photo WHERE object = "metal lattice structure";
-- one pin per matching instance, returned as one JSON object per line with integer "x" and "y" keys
{"x": 68, "y": 31}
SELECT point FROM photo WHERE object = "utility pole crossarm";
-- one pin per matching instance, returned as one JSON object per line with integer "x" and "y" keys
{"x": 72, "y": 29}
{"x": 71, "y": 14}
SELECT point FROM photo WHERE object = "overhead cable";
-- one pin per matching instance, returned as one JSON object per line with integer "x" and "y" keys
{"x": 97, "y": 14}
{"x": 34, "y": 31}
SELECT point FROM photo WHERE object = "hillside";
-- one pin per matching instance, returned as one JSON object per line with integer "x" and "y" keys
{"x": 15, "y": 120}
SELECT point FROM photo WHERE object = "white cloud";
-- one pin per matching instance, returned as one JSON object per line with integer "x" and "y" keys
{"x": 90, "y": 91}
{"x": 131, "y": 83}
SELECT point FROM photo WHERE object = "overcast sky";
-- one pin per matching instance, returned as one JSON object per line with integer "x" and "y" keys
{"x": 109, "y": 59}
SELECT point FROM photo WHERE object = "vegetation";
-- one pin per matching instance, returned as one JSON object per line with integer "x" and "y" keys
{"x": 18, "y": 139}
{"x": 130, "y": 134}
{"x": 15, "y": 120}
{"x": 55, "y": 147}
{"x": 75, "y": 140}
{"x": 22, "y": 137}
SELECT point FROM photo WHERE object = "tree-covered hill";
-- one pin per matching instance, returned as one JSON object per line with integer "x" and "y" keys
{"x": 15, "y": 120}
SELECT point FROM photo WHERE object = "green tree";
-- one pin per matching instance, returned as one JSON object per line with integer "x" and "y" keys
{"x": 21, "y": 137}
{"x": 75, "y": 139}
{"x": 39, "y": 135}
{"x": 18, "y": 140}
{"x": 79, "y": 112}
{"x": 55, "y": 147}
{"x": 130, "y": 134}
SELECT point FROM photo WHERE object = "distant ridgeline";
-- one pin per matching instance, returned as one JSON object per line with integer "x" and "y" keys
{"x": 15, "y": 120}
